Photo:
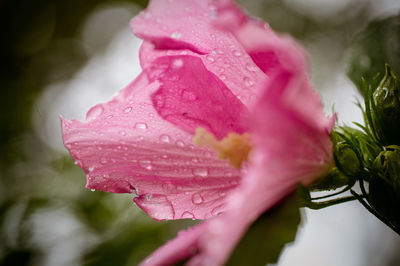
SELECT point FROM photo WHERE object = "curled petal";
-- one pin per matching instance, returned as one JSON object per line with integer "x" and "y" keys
{"x": 124, "y": 146}
{"x": 190, "y": 96}
{"x": 188, "y": 28}
{"x": 281, "y": 58}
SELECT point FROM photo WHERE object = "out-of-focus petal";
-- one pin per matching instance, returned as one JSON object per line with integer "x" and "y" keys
{"x": 190, "y": 96}
{"x": 276, "y": 56}
{"x": 186, "y": 27}
{"x": 185, "y": 245}
{"x": 126, "y": 147}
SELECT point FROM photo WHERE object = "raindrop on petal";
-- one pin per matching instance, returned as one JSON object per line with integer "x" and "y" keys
{"x": 146, "y": 164}
{"x": 95, "y": 112}
{"x": 165, "y": 138}
{"x": 197, "y": 198}
{"x": 202, "y": 172}
{"x": 127, "y": 109}
{"x": 187, "y": 215}
{"x": 141, "y": 126}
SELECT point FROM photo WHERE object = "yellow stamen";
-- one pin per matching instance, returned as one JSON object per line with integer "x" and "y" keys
{"x": 234, "y": 147}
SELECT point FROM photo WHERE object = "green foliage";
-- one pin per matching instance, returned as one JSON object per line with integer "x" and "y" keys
{"x": 387, "y": 101}
{"x": 384, "y": 185}
{"x": 266, "y": 238}
{"x": 377, "y": 45}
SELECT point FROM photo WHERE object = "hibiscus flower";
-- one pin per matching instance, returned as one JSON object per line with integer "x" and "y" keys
{"x": 221, "y": 124}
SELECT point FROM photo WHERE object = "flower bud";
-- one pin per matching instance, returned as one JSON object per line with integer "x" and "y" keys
{"x": 387, "y": 164}
{"x": 346, "y": 160}
{"x": 384, "y": 185}
{"x": 387, "y": 101}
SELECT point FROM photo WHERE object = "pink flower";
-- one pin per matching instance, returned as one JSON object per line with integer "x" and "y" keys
{"x": 210, "y": 69}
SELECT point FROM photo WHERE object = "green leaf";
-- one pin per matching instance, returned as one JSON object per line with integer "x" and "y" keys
{"x": 371, "y": 49}
{"x": 266, "y": 238}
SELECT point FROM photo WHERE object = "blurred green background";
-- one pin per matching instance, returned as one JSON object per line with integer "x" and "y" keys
{"x": 61, "y": 57}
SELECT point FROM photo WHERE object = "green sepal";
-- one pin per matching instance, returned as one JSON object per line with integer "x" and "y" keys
{"x": 387, "y": 101}
{"x": 384, "y": 185}
{"x": 332, "y": 180}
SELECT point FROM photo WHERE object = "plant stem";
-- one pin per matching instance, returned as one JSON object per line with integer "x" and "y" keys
{"x": 369, "y": 208}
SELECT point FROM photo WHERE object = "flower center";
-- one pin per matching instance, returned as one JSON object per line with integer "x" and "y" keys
{"x": 234, "y": 147}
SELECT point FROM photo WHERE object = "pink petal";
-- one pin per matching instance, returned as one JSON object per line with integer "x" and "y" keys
{"x": 126, "y": 147}
{"x": 186, "y": 27}
{"x": 275, "y": 55}
{"x": 190, "y": 96}
{"x": 291, "y": 145}
{"x": 182, "y": 247}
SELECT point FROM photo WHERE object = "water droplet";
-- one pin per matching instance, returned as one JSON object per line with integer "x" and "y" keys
{"x": 146, "y": 164}
{"x": 195, "y": 160}
{"x": 123, "y": 133}
{"x": 164, "y": 156}
{"x": 210, "y": 58}
{"x": 251, "y": 67}
{"x": 248, "y": 82}
{"x": 180, "y": 143}
{"x": 148, "y": 197}
{"x": 187, "y": 215}
{"x": 217, "y": 210}
{"x": 176, "y": 35}
{"x": 223, "y": 77}
{"x": 91, "y": 169}
{"x": 99, "y": 148}
{"x": 197, "y": 198}
{"x": 95, "y": 112}
{"x": 165, "y": 138}
{"x": 177, "y": 63}
{"x": 202, "y": 172}
{"x": 93, "y": 190}
{"x": 141, "y": 126}
{"x": 237, "y": 53}
{"x": 127, "y": 109}
{"x": 103, "y": 161}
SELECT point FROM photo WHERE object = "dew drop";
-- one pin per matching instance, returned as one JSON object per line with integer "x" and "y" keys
{"x": 197, "y": 198}
{"x": 127, "y": 109}
{"x": 165, "y": 138}
{"x": 95, "y": 112}
{"x": 251, "y": 67}
{"x": 177, "y": 63}
{"x": 91, "y": 169}
{"x": 103, "y": 161}
{"x": 176, "y": 35}
{"x": 187, "y": 215}
{"x": 223, "y": 77}
{"x": 210, "y": 58}
{"x": 202, "y": 172}
{"x": 217, "y": 210}
{"x": 93, "y": 190}
{"x": 237, "y": 53}
{"x": 248, "y": 82}
{"x": 180, "y": 143}
{"x": 99, "y": 148}
{"x": 123, "y": 133}
{"x": 146, "y": 164}
{"x": 148, "y": 197}
{"x": 141, "y": 126}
